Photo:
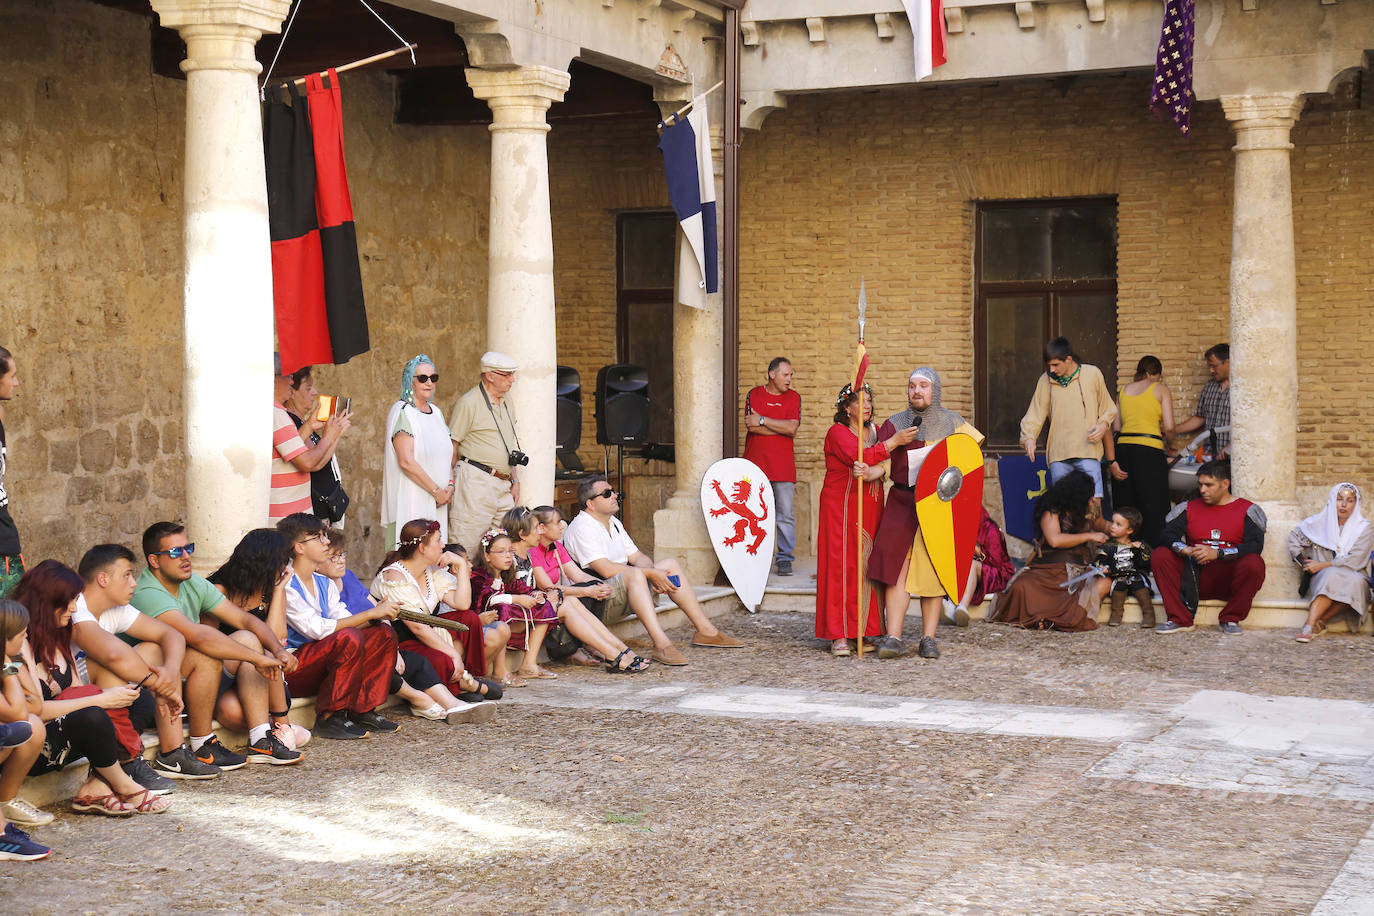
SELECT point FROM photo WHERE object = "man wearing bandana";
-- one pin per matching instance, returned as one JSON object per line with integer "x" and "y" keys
{"x": 899, "y": 560}
{"x": 1075, "y": 399}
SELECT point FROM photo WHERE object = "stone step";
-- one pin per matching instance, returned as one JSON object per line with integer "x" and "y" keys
{"x": 58, "y": 786}
{"x": 1264, "y": 615}
{"x": 715, "y": 602}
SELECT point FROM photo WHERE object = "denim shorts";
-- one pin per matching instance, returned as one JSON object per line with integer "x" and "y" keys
{"x": 1090, "y": 466}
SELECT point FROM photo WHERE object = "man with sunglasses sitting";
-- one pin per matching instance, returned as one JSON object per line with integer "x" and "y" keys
{"x": 169, "y": 591}
{"x": 598, "y": 542}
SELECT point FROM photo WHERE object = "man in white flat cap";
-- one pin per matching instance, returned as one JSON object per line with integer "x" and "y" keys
{"x": 486, "y": 473}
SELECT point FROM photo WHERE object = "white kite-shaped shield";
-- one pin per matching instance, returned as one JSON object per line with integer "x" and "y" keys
{"x": 737, "y": 500}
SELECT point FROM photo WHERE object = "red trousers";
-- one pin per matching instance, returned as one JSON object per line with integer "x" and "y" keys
{"x": 470, "y": 643}
{"x": 1236, "y": 581}
{"x": 350, "y": 669}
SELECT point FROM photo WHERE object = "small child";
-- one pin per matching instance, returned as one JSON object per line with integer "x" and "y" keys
{"x": 1127, "y": 564}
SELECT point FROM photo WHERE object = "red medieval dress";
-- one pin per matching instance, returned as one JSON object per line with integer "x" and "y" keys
{"x": 839, "y": 561}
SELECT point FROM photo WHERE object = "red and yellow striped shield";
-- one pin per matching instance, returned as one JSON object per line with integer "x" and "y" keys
{"x": 949, "y": 497}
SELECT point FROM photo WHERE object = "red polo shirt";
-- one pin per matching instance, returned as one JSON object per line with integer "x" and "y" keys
{"x": 773, "y": 454}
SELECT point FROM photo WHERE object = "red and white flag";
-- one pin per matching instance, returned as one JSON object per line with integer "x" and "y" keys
{"x": 927, "y": 18}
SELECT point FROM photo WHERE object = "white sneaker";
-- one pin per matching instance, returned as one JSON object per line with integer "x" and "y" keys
{"x": 24, "y": 814}
{"x": 432, "y": 711}
{"x": 948, "y": 611}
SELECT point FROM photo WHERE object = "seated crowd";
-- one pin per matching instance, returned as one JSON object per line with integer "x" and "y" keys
{"x": 101, "y": 653}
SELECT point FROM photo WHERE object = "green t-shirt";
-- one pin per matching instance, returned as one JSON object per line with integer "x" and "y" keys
{"x": 196, "y": 596}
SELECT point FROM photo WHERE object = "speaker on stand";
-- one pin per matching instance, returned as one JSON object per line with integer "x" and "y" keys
{"x": 622, "y": 413}
{"x": 568, "y": 416}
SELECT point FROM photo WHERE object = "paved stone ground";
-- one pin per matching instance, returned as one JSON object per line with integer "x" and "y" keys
{"x": 1109, "y": 772}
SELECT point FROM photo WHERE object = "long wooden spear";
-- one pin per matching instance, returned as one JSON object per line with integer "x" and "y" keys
{"x": 860, "y": 367}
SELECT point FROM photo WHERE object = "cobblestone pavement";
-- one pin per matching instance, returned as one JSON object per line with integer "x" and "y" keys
{"x": 1108, "y": 772}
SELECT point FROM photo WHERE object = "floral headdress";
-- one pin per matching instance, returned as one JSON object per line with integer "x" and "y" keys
{"x": 431, "y": 527}
{"x": 847, "y": 392}
{"x": 491, "y": 535}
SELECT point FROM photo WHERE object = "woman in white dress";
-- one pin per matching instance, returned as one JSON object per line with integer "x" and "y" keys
{"x": 1333, "y": 547}
{"x": 417, "y": 475}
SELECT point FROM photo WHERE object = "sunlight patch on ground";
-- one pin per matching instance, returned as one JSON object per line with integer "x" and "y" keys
{"x": 373, "y": 818}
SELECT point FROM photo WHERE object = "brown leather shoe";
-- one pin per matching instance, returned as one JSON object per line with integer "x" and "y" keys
{"x": 669, "y": 656}
{"x": 719, "y": 641}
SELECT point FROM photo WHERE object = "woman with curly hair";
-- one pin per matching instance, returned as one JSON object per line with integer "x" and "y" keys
{"x": 1036, "y": 597}
{"x": 840, "y": 556}
{"x": 254, "y": 578}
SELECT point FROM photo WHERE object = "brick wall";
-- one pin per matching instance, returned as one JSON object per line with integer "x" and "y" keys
{"x": 882, "y": 185}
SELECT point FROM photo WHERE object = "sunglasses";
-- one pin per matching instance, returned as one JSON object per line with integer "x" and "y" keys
{"x": 422, "y": 379}
{"x": 604, "y": 493}
{"x": 176, "y": 552}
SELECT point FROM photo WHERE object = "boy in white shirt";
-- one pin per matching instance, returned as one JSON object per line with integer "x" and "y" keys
{"x": 345, "y": 659}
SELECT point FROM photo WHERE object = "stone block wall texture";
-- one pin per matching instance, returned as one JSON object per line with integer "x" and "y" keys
{"x": 91, "y": 148}
{"x": 90, "y": 276}
{"x": 883, "y": 186}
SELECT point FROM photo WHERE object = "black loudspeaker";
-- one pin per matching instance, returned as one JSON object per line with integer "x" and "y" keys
{"x": 568, "y": 410}
{"x": 622, "y": 405}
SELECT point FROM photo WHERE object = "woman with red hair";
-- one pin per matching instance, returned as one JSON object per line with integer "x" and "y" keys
{"x": 78, "y": 717}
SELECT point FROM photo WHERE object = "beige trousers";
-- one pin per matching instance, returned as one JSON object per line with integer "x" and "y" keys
{"x": 479, "y": 501}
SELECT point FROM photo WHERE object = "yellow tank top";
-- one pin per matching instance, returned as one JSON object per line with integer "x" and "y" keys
{"x": 1140, "y": 418}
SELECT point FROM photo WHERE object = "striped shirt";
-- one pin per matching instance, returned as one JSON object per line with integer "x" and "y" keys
{"x": 290, "y": 487}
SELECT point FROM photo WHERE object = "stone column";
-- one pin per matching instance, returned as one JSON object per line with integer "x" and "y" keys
{"x": 520, "y": 307}
{"x": 228, "y": 336}
{"x": 1264, "y": 302}
{"x": 679, "y": 528}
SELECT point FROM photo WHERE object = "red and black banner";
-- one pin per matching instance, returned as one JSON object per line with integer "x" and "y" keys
{"x": 317, "y": 285}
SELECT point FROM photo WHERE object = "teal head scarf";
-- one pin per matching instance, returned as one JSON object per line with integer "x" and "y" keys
{"x": 408, "y": 378}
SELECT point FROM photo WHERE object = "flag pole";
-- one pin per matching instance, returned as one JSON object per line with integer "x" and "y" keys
{"x": 860, "y": 606}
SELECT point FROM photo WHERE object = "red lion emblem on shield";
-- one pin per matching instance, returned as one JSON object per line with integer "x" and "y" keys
{"x": 748, "y": 521}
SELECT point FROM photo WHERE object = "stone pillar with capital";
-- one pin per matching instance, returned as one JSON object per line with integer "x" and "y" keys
{"x": 679, "y": 527}
{"x": 228, "y": 271}
{"x": 1264, "y": 304}
{"x": 520, "y": 297}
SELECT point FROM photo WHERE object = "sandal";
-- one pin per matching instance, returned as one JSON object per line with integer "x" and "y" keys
{"x": 539, "y": 673}
{"x": 148, "y": 802}
{"x": 512, "y": 680}
{"x": 840, "y": 648}
{"x": 636, "y": 665}
{"x": 101, "y": 804}
{"x": 585, "y": 659}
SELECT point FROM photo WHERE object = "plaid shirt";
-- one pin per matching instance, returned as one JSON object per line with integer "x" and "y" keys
{"x": 1214, "y": 406}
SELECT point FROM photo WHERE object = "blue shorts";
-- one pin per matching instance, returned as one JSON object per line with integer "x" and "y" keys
{"x": 1090, "y": 466}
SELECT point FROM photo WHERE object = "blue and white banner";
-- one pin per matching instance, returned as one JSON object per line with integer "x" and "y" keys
{"x": 686, "y": 147}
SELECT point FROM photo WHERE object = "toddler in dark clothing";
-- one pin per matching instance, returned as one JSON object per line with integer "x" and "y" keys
{"x": 1127, "y": 563}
